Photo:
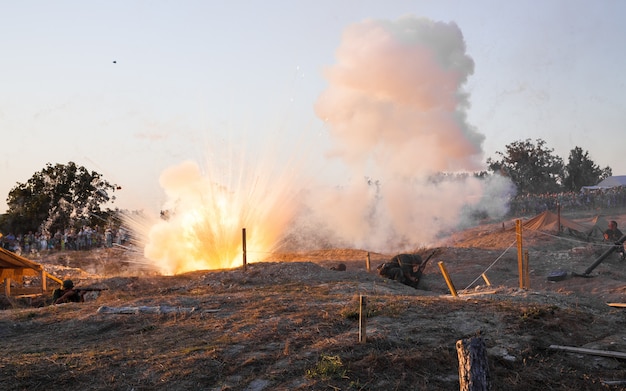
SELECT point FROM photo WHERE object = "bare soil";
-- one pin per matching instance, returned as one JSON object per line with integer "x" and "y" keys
{"x": 292, "y": 323}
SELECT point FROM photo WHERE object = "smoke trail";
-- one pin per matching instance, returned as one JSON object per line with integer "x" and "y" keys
{"x": 395, "y": 109}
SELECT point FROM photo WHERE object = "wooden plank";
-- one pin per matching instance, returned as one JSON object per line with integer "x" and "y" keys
{"x": 619, "y": 305}
{"x": 604, "y": 353}
{"x": 50, "y": 276}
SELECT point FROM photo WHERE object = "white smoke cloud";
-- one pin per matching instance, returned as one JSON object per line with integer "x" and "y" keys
{"x": 395, "y": 109}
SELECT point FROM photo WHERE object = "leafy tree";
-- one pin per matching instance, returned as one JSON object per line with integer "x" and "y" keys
{"x": 532, "y": 167}
{"x": 582, "y": 171}
{"x": 58, "y": 197}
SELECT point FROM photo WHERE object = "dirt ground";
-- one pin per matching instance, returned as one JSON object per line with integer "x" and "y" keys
{"x": 292, "y": 323}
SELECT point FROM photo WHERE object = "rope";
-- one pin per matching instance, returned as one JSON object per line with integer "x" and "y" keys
{"x": 577, "y": 240}
{"x": 490, "y": 266}
{"x": 540, "y": 232}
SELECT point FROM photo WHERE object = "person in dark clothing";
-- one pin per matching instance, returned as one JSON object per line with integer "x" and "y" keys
{"x": 613, "y": 234}
{"x": 67, "y": 294}
{"x": 404, "y": 268}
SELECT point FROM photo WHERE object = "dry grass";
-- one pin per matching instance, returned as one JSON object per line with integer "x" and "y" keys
{"x": 293, "y": 325}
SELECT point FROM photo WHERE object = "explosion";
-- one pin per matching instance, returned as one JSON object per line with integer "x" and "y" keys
{"x": 202, "y": 227}
{"x": 395, "y": 110}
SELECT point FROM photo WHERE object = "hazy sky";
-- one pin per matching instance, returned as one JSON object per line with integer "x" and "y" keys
{"x": 130, "y": 88}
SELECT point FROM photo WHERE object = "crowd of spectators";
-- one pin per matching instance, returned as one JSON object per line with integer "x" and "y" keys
{"x": 88, "y": 238}
{"x": 85, "y": 239}
{"x": 570, "y": 201}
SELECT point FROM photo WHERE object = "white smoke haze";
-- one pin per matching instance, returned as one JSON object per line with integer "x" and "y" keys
{"x": 395, "y": 111}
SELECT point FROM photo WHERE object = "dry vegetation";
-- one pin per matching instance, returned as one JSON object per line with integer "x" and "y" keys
{"x": 291, "y": 323}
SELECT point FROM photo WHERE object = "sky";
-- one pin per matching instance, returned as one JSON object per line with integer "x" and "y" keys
{"x": 132, "y": 88}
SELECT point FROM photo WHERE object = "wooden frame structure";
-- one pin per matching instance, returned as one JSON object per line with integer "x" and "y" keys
{"x": 13, "y": 268}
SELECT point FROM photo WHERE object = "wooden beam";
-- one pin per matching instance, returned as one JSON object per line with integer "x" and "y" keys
{"x": 619, "y": 305}
{"x": 604, "y": 353}
{"x": 50, "y": 276}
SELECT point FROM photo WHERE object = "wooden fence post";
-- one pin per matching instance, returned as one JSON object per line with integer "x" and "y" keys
{"x": 473, "y": 365}
{"x": 243, "y": 246}
{"x": 520, "y": 256}
{"x": 367, "y": 262}
{"x": 362, "y": 319}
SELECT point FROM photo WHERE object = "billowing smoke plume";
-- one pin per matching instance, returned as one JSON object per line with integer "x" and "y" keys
{"x": 395, "y": 109}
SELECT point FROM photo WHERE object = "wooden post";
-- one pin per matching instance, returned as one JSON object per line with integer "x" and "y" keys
{"x": 367, "y": 262}
{"x": 243, "y": 246}
{"x": 43, "y": 282}
{"x": 526, "y": 271}
{"x": 558, "y": 208}
{"x": 362, "y": 319}
{"x": 484, "y": 276}
{"x": 447, "y": 278}
{"x": 473, "y": 365}
{"x": 7, "y": 287}
{"x": 520, "y": 260}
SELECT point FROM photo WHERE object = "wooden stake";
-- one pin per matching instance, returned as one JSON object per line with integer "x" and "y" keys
{"x": 447, "y": 278}
{"x": 520, "y": 268}
{"x": 367, "y": 262}
{"x": 473, "y": 365}
{"x": 484, "y": 276}
{"x": 43, "y": 282}
{"x": 362, "y": 319}
{"x": 243, "y": 245}
{"x": 526, "y": 271}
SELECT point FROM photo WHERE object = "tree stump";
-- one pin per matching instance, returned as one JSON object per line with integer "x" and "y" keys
{"x": 473, "y": 365}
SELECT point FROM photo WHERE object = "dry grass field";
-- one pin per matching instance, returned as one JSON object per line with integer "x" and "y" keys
{"x": 291, "y": 323}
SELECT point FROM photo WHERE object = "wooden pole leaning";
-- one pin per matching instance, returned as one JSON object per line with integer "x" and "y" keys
{"x": 447, "y": 278}
{"x": 243, "y": 246}
{"x": 484, "y": 276}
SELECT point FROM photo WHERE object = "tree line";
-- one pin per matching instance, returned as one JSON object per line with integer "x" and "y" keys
{"x": 64, "y": 197}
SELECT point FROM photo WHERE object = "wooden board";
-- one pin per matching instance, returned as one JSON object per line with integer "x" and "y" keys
{"x": 605, "y": 353}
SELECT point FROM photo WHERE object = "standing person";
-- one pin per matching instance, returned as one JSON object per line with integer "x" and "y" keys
{"x": 613, "y": 234}
{"x": 67, "y": 294}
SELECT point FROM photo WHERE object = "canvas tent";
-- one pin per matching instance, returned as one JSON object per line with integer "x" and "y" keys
{"x": 549, "y": 222}
{"x": 597, "y": 225}
{"x": 13, "y": 269}
{"x": 612, "y": 181}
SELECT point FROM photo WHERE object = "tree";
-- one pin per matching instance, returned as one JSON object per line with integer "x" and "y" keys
{"x": 582, "y": 171}
{"x": 58, "y": 197}
{"x": 532, "y": 167}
